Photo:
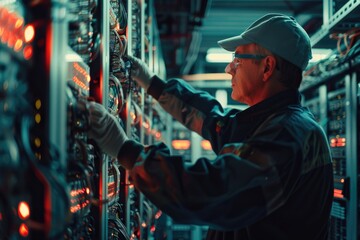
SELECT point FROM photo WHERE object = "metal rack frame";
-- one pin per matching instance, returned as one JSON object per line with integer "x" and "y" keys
{"x": 330, "y": 19}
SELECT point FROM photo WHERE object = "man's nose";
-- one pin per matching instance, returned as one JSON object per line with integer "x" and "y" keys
{"x": 229, "y": 69}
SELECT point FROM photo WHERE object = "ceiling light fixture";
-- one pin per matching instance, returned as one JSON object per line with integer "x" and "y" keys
{"x": 218, "y": 55}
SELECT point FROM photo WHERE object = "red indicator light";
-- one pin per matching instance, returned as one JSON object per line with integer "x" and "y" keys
{"x": 157, "y": 135}
{"x": 338, "y": 142}
{"x": 158, "y": 214}
{"x": 24, "y": 230}
{"x": 28, "y": 52}
{"x": 338, "y": 193}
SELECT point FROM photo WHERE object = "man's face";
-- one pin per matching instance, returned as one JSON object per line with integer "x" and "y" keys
{"x": 247, "y": 75}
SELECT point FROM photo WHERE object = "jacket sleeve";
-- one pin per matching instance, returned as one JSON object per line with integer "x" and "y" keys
{"x": 191, "y": 107}
{"x": 239, "y": 187}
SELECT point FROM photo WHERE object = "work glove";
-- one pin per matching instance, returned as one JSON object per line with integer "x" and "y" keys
{"x": 105, "y": 129}
{"x": 140, "y": 72}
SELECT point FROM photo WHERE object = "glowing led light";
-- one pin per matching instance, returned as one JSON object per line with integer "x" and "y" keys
{"x": 38, "y": 104}
{"x": 158, "y": 135}
{"x": 29, "y": 33}
{"x": 146, "y": 125}
{"x": 158, "y": 214}
{"x": 24, "y": 230}
{"x": 37, "y": 142}
{"x": 77, "y": 192}
{"x": 77, "y": 199}
{"x": 206, "y": 145}
{"x": 338, "y": 193}
{"x": 181, "y": 144}
{"x": 19, "y": 22}
{"x": 28, "y": 52}
{"x": 23, "y": 210}
{"x": 18, "y": 45}
{"x": 37, "y": 118}
{"x": 78, "y": 82}
{"x": 133, "y": 116}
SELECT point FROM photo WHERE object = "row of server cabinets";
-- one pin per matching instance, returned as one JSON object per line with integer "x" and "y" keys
{"x": 331, "y": 90}
{"x": 55, "y": 57}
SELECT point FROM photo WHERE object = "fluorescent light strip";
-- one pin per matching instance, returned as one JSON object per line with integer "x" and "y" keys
{"x": 218, "y": 55}
{"x": 207, "y": 77}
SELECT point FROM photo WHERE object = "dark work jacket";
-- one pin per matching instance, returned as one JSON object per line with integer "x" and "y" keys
{"x": 272, "y": 177}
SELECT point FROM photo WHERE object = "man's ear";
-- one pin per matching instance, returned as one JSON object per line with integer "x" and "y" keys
{"x": 266, "y": 68}
{"x": 269, "y": 68}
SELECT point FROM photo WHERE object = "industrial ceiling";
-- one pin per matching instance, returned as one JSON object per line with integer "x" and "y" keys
{"x": 188, "y": 28}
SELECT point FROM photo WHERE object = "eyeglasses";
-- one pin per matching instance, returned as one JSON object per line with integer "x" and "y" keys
{"x": 237, "y": 57}
{"x": 247, "y": 56}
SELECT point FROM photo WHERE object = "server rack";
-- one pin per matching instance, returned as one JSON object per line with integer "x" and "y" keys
{"x": 56, "y": 56}
{"x": 331, "y": 90}
{"x": 334, "y": 101}
{"x": 31, "y": 189}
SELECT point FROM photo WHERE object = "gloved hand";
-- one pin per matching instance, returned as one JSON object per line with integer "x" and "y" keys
{"x": 140, "y": 72}
{"x": 105, "y": 129}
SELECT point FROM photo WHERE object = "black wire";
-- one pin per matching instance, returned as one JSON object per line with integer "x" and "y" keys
{"x": 123, "y": 17}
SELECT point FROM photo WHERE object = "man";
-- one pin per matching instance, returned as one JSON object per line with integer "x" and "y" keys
{"x": 272, "y": 177}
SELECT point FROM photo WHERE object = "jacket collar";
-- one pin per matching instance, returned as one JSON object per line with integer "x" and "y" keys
{"x": 273, "y": 104}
